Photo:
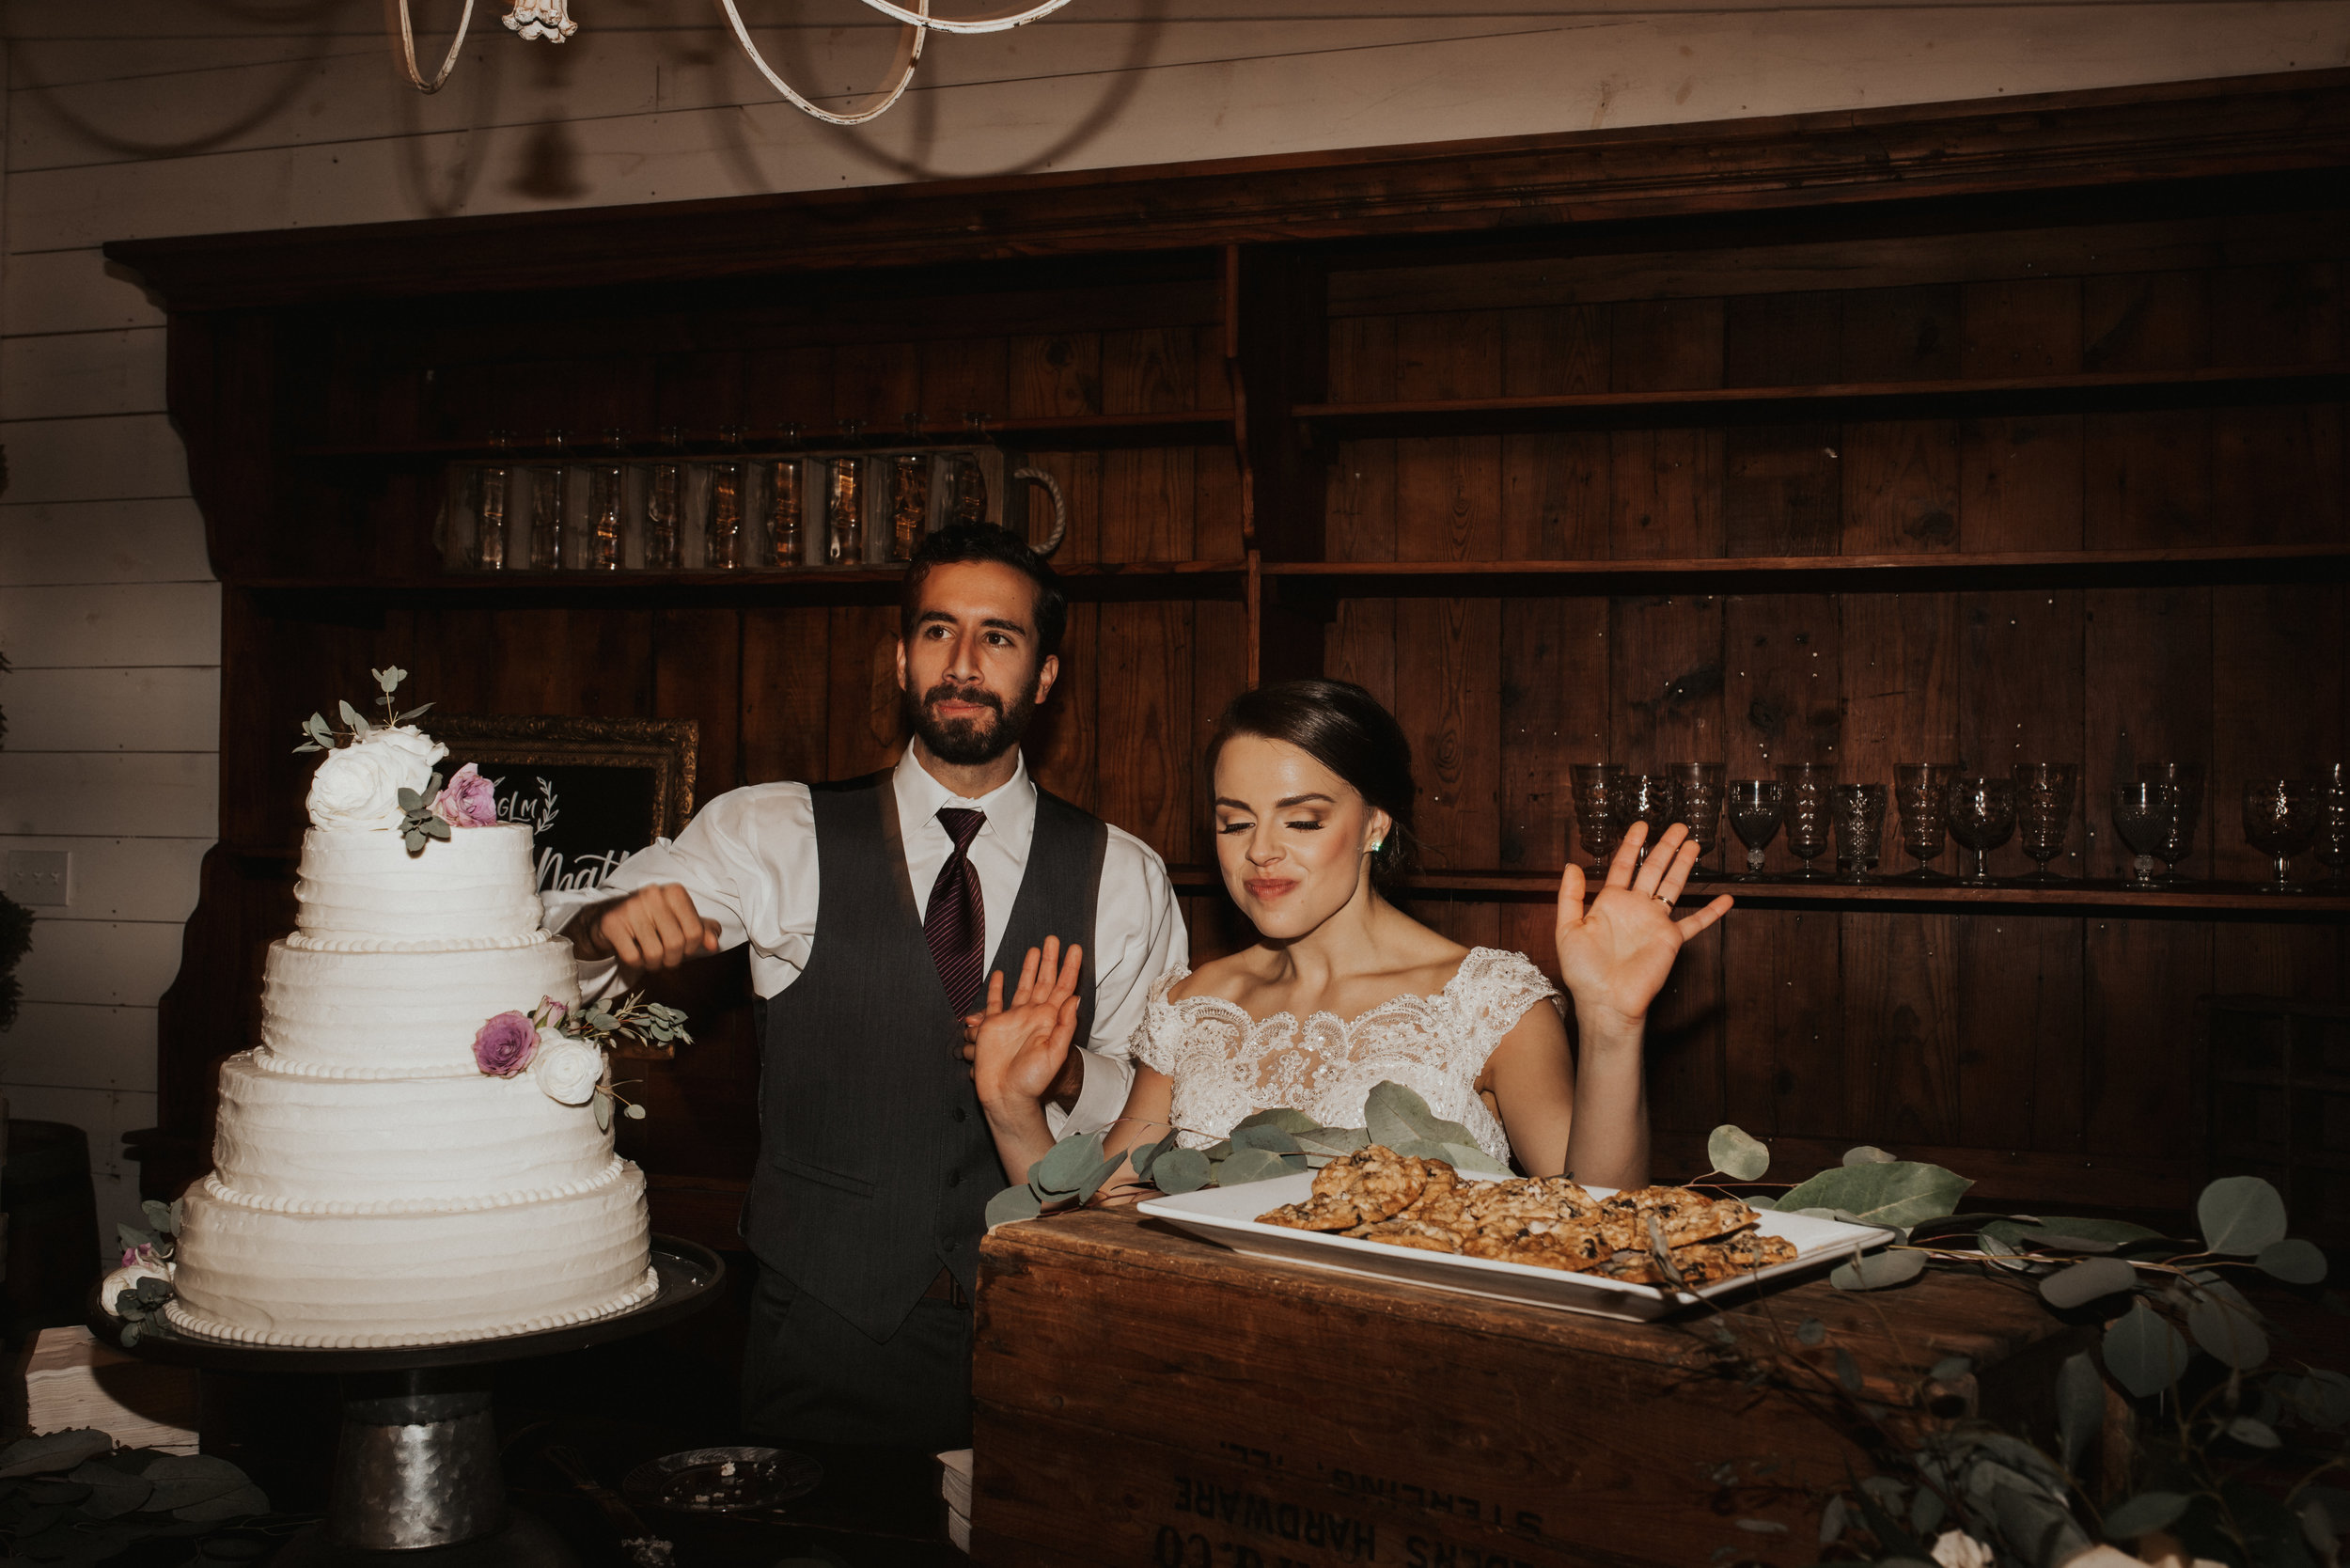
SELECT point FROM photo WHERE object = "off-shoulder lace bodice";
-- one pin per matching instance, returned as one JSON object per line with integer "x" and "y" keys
{"x": 1227, "y": 1065}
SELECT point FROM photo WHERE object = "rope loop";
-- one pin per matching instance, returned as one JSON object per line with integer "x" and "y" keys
{"x": 403, "y": 35}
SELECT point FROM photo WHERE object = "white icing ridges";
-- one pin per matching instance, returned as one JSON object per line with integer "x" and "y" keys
{"x": 378, "y": 1010}
{"x": 478, "y": 884}
{"x": 266, "y": 1277}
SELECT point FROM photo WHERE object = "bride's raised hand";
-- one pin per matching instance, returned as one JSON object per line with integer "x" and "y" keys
{"x": 1018, "y": 1050}
{"x": 1616, "y": 954}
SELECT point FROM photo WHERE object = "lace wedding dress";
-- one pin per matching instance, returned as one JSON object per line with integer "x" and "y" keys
{"x": 1227, "y": 1065}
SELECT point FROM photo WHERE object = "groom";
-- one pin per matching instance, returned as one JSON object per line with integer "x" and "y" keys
{"x": 874, "y": 910}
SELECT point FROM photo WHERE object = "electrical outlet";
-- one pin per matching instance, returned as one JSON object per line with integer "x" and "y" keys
{"x": 40, "y": 876}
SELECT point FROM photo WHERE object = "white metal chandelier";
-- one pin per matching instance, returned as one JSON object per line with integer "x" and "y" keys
{"x": 552, "y": 21}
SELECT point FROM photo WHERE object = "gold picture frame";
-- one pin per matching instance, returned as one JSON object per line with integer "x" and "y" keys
{"x": 666, "y": 747}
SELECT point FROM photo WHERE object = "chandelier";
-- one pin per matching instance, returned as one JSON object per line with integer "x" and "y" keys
{"x": 551, "y": 21}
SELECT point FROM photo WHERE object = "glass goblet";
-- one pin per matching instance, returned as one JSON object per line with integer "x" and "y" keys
{"x": 1698, "y": 805}
{"x": 2186, "y": 812}
{"x": 1921, "y": 801}
{"x": 1982, "y": 817}
{"x": 2043, "y": 812}
{"x": 2333, "y": 821}
{"x": 1805, "y": 806}
{"x": 2279, "y": 820}
{"x": 1858, "y": 813}
{"x": 2142, "y": 815}
{"x": 1755, "y": 808}
{"x": 1648, "y": 797}
{"x": 1595, "y": 787}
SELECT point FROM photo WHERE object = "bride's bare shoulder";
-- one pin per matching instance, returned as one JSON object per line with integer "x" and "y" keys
{"x": 1230, "y": 977}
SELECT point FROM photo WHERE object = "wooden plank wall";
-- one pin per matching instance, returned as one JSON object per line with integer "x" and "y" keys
{"x": 2063, "y": 1039}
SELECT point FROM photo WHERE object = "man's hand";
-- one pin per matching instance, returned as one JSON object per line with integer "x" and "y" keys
{"x": 1018, "y": 1052}
{"x": 650, "y": 930}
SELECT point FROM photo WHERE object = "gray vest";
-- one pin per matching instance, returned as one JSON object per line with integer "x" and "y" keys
{"x": 875, "y": 1163}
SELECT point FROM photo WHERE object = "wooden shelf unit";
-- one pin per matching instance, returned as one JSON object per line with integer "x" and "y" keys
{"x": 2025, "y": 443}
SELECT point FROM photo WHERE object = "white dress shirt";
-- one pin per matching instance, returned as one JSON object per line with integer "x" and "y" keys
{"x": 748, "y": 860}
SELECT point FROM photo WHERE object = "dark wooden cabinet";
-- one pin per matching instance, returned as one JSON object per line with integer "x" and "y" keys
{"x": 2004, "y": 432}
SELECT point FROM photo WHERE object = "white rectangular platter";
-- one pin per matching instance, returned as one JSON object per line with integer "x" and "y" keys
{"x": 1228, "y": 1216}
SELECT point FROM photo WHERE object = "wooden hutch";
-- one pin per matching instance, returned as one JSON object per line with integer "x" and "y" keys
{"x": 1998, "y": 431}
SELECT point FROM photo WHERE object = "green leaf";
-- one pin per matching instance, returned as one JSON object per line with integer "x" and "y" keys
{"x": 415, "y": 713}
{"x": 1290, "y": 1121}
{"x": 1848, "y": 1370}
{"x": 604, "y": 1112}
{"x": 134, "y": 1237}
{"x": 243, "y": 1503}
{"x": 1013, "y": 1203}
{"x": 1181, "y": 1170}
{"x": 1878, "y": 1271}
{"x": 1867, "y": 1153}
{"x": 1832, "y": 1519}
{"x": 1064, "y": 1168}
{"x": 152, "y": 1292}
{"x": 184, "y": 1480}
{"x": 1334, "y": 1143}
{"x": 128, "y": 1335}
{"x": 1267, "y": 1136}
{"x": 2240, "y": 1215}
{"x": 353, "y": 719}
{"x": 2252, "y": 1434}
{"x": 635, "y": 1113}
{"x": 1901, "y": 1193}
{"x": 1950, "y": 1368}
{"x": 2143, "y": 1350}
{"x": 1735, "y": 1155}
{"x": 2143, "y": 1515}
{"x": 1244, "y": 1166}
{"x": 2292, "y": 1261}
{"x": 1396, "y": 1115}
{"x": 2116, "y": 1231}
{"x": 411, "y": 802}
{"x": 53, "y": 1453}
{"x": 112, "y": 1492}
{"x": 1469, "y": 1156}
{"x": 415, "y": 841}
{"x": 2228, "y": 1333}
{"x": 2078, "y": 1284}
{"x": 1099, "y": 1174}
{"x": 2080, "y": 1400}
{"x": 2322, "y": 1399}
{"x": 307, "y": 745}
{"x": 1218, "y": 1150}
{"x": 436, "y": 828}
{"x": 1810, "y": 1331}
{"x": 178, "y": 1212}
{"x": 1141, "y": 1155}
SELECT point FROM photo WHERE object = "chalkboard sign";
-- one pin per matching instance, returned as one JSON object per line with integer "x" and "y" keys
{"x": 594, "y": 791}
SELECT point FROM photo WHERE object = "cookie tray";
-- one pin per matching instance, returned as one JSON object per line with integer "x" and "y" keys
{"x": 1228, "y": 1216}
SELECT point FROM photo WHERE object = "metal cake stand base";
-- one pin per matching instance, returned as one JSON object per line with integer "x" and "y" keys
{"x": 416, "y": 1479}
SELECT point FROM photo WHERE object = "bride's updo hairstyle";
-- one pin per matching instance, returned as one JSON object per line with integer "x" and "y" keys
{"x": 1343, "y": 728}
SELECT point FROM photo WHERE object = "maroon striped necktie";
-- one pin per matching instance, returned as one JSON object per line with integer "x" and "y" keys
{"x": 955, "y": 923}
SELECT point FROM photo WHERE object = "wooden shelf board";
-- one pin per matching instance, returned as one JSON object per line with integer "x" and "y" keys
{"x": 2071, "y": 895}
{"x": 1384, "y": 578}
{"x": 1048, "y": 432}
{"x": 1709, "y": 405}
{"x": 1086, "y": 579}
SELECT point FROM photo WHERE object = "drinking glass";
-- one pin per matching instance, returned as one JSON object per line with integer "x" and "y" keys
{"x": 909, "y": 504}
{"x": 1595, "y": 787}
{"x": 1921, "y": 799}
{"x": 2186, "y": 812}
{"x": 722, "y": 522}
{"x": 1646, "y": 797}
{"x": 1755, "y": 808}
{"x": 494, "y": 478}
{"x": 1805, "y": 808}
{"x": 1857, "y": 811}
{"x": 607, "y": 485}
{"x": 2043, "y": 812}
{"x": 966, "y": 489}
{"x": 1982, "y": 817}
{"x": 786, "y": 508}
{"x": 844, "y": 514}
{"x": 664, "y": 506}
{"x": 550, "y": 509}
{"x": 2142, "y": 815}
{"x": 2333, "y": 821}
{"x": 2279, "y": 820}
{"x": 1698, "y": 804}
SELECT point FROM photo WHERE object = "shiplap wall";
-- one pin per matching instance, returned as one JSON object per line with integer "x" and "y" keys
{"x": 170, "y": 116}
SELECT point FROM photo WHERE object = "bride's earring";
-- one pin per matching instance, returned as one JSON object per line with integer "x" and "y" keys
{"x": 1374, "y": 846}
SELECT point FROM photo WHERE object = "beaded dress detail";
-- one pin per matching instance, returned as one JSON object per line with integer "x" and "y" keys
{"x": 1227, "y": 1065}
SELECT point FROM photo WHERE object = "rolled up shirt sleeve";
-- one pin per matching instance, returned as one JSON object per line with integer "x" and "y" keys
{"x": 1140, "y": 929}
{"x": 747, "y": 860}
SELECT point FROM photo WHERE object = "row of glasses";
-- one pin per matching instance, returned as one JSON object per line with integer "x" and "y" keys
{"x": 2285, "y": 817}
{"x": 1608, "y": 798}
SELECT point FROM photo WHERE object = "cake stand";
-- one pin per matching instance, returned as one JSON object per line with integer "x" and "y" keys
{"x": 417, "y": 1477}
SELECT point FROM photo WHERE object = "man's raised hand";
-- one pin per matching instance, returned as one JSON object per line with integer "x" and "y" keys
{"x": 650, "y": 930}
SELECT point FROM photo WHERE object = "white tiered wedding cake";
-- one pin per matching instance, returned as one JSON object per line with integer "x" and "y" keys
{"x": 383, "y": 1177}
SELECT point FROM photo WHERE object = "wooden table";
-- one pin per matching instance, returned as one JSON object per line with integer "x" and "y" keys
{"x": 1146, "y": 1398}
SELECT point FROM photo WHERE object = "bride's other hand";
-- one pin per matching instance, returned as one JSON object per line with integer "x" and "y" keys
{"x": 1615, "y": 955}
{"x": 1018, "y": 1050}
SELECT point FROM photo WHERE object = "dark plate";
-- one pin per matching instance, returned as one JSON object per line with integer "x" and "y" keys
{"x": 699, "y": 1480}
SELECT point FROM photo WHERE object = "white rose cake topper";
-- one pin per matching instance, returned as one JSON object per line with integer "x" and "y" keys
{"x": 562, "y": 1048}
{"x": 382, "y": 776}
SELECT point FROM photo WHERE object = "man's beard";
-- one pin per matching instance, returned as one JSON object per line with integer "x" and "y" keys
{"x": 967, "y": 741}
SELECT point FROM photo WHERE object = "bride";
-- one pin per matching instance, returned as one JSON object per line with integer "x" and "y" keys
{"x": 1313, "y": 801}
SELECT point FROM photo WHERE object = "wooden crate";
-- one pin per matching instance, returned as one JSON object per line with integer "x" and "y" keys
{"x": 1145, "y": 1398}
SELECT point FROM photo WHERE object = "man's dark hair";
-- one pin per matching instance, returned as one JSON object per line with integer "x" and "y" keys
{"x": 985, "y": 542}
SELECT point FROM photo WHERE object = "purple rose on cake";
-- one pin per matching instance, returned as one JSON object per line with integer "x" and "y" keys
{"x": 506, "y": 1044}
{"x": 470, "y": 800}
